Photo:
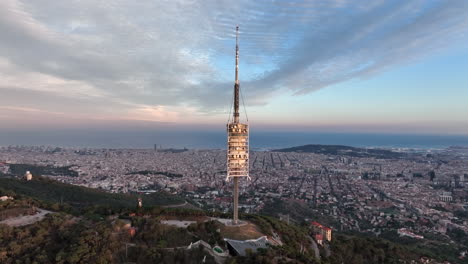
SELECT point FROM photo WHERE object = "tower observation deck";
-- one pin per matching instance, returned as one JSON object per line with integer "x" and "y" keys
{"x": 238, "y": 143}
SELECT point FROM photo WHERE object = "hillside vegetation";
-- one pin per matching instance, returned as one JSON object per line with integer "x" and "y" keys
{"x": 86, "y": 228}
{"x": 51, "y": 191}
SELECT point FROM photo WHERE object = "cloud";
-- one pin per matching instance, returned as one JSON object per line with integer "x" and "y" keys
{"x": 364, "y": 42}
{"x": 152, "y": 59}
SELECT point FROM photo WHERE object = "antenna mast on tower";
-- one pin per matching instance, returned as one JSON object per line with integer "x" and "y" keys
{"x": 236, "y": 83}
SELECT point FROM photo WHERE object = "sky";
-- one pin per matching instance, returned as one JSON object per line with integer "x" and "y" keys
{"x": 339, "y": 66}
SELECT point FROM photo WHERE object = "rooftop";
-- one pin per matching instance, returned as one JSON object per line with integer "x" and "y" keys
{"x": 240, "y": 247}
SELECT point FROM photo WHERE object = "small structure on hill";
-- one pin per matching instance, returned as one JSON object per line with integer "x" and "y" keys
{"x": 239, "y": 247}
{"x": 122, "y": 225}
{"x": 318, "y": 228}
{"x": 406, "y": 232}
{"x": 140, "y": 202}
{"x": 319, "y": 239}
{"x": 131, "y": 231}
{"x": 5, "y": 198}
{"x": 28, "y": 176}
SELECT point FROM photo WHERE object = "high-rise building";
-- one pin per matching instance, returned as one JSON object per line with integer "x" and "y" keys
{"x": 238, "y": 143}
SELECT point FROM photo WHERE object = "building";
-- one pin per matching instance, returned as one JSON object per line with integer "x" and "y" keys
{"x": 237, "y": 143}
{"x": 328, "y": 233}
{"x": 131, "y": 231}
{"x": 446, "y": 197}
{"x": 240, "y": 248}
{"x": 405, "y": 232}
{"x": 28, "y": 176}
{"x": 319, "y": 239}
{"x": 5, "y": 198}
{"x": 318, "y": 228}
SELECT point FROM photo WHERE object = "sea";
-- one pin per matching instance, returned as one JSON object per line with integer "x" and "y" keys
{"x": 259, "y": 140}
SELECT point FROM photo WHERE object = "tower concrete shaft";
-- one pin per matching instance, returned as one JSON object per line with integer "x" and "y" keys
{"x": 235, "y": 217}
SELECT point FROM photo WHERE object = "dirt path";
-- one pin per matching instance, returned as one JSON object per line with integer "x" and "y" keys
{"x": 26, "y": 219}
{"x": 185, "y": 205}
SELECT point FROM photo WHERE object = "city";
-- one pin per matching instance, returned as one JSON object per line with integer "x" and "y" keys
{"x": 422, "y": 192}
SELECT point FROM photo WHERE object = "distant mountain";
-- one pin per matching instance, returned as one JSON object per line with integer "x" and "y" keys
{"x": 344, "y": 151}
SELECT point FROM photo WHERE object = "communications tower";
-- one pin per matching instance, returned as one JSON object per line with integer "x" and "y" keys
{"x": 238, "y": 143}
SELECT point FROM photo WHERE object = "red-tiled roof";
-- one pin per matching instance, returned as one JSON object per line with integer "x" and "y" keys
{"x": 316, "y": 224}
{"x": 320, "y": 226}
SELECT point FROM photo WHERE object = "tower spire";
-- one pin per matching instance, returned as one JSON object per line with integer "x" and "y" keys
{"x": 236, "y": 83}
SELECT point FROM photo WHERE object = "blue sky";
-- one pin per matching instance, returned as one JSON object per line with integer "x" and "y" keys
{"x": 335, "y": 66}
{"x": 428, "y": 96}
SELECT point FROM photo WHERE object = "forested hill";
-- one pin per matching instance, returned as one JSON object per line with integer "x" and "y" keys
{"x": 83, "y": 227}
{"x": 77, "y": 196}
{"x": 344, "y": 151}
